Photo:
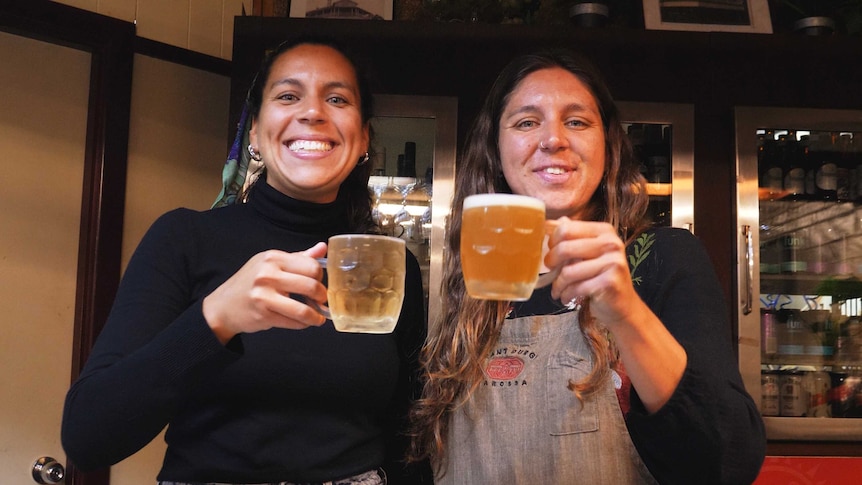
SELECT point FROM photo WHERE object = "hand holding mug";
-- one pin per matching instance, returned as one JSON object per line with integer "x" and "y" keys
{"x": 591, "y": 259}
{"x": 258, "y": 296}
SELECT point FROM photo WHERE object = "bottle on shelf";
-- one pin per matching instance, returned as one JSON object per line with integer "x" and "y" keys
{"x": 817, "y": 386}
{"x": 769, "y": 164}
{"x": 400, "y": 170}
{"x": 770, "y": 250}
{"x": 815, "y": 254}
{"x": 768, "y": 333}
{"x": 791, "y": 334}
{"x": 792, "y": 252}
{"x": 656, "y": 153}
{"x": 825, "y": 167}
{"x": 409, "y": 159}
{"x": 794, "y": 171}
{"x": 843, "y": 167}
{"x": 812, "y": 156}
{"x": 378, "y": 162}
{"x": 807, "y": 165}
{"x": 635, "y": 133}
{"x": 846, "y": 351}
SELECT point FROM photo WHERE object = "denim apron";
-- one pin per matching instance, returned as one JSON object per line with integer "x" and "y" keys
{"x": 524, "y": 426}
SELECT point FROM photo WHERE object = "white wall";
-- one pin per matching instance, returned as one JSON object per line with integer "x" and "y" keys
{"x": 177, "y": 148}
{"x": 43, "y": 120}
{"x": 204, "y": 26}
{"x": 177, "y": 143}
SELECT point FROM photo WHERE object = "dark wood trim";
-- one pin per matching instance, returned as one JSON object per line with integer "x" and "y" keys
{"x": 111, "y": 44}
{"x": 178, "y": 55}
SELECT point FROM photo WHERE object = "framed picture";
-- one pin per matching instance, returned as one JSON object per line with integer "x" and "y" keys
{"x": 342, "y": 9}
{"x": 708, "y": 15}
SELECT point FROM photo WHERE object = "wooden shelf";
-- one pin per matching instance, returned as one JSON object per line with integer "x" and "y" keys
{"x": 664, "y": 190}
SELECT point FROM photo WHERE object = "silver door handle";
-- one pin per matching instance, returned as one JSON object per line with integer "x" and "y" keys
{"x": 748, "y": 271}
{"x": 48, "y": 470}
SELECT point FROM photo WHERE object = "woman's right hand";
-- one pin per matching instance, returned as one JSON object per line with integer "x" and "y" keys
{"x": 257, "y": 297}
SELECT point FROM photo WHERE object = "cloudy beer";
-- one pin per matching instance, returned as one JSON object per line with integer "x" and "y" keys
{"x": 501, "y": 245}
{"x": 365, "y": 282}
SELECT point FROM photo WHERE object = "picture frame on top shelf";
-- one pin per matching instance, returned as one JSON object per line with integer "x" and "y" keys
{"x": 342, "y": 9}
{"x": 751, "y": 16}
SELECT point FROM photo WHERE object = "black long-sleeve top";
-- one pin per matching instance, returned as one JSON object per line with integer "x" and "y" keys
{"x": 277, "y": 405}
{"x": 710, "y": 431}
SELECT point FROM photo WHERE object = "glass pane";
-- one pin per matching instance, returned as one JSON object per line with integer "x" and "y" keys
{"x": 662, "y": 135}
{"x": 652, "y": 144}
{"x": 810, "y": 259}
{"x": 413, "y": 172}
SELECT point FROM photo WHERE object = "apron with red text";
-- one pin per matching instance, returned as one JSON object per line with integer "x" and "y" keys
{"x": 524, "y": 426}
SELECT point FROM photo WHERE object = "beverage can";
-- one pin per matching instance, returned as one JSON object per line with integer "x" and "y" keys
{"x": 792, "y": 398}
{"x": 769, "y": 400}
{"x": 818, "y": 385}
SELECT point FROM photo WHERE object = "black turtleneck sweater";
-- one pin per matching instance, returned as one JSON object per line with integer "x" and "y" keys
{"x": 277, "y": 405}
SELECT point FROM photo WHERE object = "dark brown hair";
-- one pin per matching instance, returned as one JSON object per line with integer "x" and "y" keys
{"x": 354, "y": 189}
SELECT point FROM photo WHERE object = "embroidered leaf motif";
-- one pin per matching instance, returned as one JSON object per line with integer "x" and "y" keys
{"x": 641, "y": 250}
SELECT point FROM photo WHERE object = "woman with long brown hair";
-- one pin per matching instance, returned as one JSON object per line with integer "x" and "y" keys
{"x": 622, "y": 370}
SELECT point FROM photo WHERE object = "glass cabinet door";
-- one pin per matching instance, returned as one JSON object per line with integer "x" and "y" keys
{"x": 413, "y": 159}
{"x": 662, "y": 135}
{"x": 800, "y": 259}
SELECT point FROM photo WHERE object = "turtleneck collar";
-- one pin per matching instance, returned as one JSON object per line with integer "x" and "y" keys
{"x": 299, "y": 215}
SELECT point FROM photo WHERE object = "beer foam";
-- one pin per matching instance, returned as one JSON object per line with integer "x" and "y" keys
{"x": 483, "y": 200}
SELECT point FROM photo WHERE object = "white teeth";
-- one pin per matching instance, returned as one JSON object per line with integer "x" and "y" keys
{"x": 554, "y": 170}
{"x": 310, "y": 146}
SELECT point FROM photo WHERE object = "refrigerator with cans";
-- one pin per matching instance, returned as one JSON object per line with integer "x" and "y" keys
{"x": 799, "y": 263}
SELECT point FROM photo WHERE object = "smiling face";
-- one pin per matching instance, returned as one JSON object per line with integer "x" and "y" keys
{"x": 553, "y": 108}
{"x": 309, "y": 130}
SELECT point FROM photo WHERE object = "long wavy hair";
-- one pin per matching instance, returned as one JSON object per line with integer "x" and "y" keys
{"x": 355, "y": 187}
{"x": 458, "y": 344}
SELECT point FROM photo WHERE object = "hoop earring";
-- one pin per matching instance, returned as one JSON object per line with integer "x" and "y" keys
{"x": 364, "y": 160}
{"x": 255, "y": 155}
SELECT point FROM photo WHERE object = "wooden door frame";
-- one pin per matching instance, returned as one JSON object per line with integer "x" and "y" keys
{"x": 111, "y": 45}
